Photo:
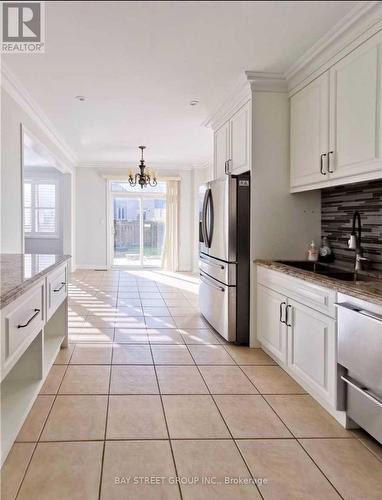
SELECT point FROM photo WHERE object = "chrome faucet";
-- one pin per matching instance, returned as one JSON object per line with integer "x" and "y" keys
{"x": 355, "y": 242}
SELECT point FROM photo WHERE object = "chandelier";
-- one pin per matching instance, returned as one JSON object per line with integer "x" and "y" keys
{"x": 141, "y": 177}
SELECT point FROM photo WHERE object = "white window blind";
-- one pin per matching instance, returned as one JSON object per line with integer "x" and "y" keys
{"x": 40, "y": 208}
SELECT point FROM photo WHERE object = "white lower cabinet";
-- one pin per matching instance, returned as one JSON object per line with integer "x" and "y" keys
{"x": 311, "y": 348}
{"x": 271, "y": 308}
{"x": 298, "y": 337}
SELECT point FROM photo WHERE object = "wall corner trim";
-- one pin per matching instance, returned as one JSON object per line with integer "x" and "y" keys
{"x": 18, "y": 92}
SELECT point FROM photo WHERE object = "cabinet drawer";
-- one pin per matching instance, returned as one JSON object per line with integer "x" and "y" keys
{"x": 314, "y": 296}
{"x": 57, "y": 289}
{"x": 23, "y": 321}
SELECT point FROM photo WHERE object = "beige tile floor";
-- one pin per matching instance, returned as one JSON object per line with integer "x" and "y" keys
{"x": 147, "y": 402}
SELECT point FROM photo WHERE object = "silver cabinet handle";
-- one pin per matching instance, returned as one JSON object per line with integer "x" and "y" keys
{"x": 36, "y": 311}
{"x": 368, "y": 394}
{"x": 213, "y": 264}
{"x": 221, "y": 289}
{"x": 226, "y": 166}
{"x": 288, "y": 307}
{"x": 281, "y": 313}
{"x": 329, "y": 156}
{"x": 322, "y": 163}
{"x": 63, "y": 283}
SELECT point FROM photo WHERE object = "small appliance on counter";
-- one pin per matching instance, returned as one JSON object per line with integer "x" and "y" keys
{"x": 224, "y": 247}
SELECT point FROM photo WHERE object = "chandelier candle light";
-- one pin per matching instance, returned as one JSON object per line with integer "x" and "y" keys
{"x": 141, "y": 177}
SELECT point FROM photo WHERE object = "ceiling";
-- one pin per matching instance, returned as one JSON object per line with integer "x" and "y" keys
{"x": 139, "y": 64}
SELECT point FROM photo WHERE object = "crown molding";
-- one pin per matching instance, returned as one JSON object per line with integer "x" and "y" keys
{"x": 18, "y": 92}
{"x": 260, "y": 81}
{"x": 250, "y": 82}
{"x": 364, "y": 20}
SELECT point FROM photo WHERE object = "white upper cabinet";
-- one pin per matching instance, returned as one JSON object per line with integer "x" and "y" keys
{"x": 355, "y": 136}
{"x": 240, "y": 137}
{"x": 309, "y": 115}
{"x": 232, "y": 144}
{"x": 335, "y": 123}
{"x": 221, "y": 149}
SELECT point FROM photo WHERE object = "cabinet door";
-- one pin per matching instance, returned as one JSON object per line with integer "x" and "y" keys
{"x": 311, "y": 349}
{"x": 221, "y": 149}
{"x": 271, "y": 332}
{"x": 240, "y": 125}
{"x": 309, "y": 133}
{"x": 355, "y": 99}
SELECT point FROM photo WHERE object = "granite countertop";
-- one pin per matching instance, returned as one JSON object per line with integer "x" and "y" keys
{"x": 19, "y": 272}
{"x": 369, "y": 290}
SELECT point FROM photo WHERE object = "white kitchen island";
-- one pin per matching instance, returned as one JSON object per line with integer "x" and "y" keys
{"x": 34, "y": 326}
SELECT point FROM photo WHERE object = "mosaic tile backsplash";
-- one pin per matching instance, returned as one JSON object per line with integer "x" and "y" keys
{"x": 337, "y": 207}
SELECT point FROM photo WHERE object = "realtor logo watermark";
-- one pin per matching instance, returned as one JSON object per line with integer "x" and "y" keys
{"x": 23, "y": 27}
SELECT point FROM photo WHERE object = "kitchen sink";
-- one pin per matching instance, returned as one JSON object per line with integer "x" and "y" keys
{"x": 325, "y": 270}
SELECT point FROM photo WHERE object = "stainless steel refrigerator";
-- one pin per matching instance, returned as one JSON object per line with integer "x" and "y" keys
{"x": 224, "y": 248}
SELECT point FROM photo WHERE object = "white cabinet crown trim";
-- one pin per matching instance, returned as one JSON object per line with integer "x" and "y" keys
{"x": 249, "y": 82}
{"x": 361, "y": 23}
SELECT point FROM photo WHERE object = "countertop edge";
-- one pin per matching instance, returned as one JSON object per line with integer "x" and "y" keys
{"x": 347, "y": 288}
{"x": 16, "y": 292}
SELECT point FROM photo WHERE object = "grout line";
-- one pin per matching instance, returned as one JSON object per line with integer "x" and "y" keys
{"x": 168, "y": 432}
{"x": 105, "y": 432}
{"x": 229, "y": 430}
{"x": 43, "y": 427}
{"x": 318, "y": 467}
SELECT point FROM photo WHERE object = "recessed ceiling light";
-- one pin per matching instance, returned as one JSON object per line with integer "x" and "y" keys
{"x": 194, "y": 102}
{"x": 80, "y": 98}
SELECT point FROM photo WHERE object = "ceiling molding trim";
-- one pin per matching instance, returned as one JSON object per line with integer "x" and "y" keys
{"x": 250, "y": 82}
{"x": 234, "y": 101}
{"x": 266, "y": 82}
{"x": 363, "y": 17}
{"x": 18, "y": 92}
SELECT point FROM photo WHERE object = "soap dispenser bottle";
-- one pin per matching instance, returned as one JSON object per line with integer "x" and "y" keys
{"x": 326, "y": 254}
{"x": 312, "y": 252}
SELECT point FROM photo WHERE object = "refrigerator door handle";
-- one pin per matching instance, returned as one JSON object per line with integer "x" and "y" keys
{"x": 208, "y": 283}
{"x": 212, "y": 264}
{"x": 209, "y": 205}
{"x": 203, "y": 221}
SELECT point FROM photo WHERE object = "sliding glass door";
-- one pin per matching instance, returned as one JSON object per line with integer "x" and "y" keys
{"x": 139, "y": 225}
{"x": 154, "y": 220}
{"x": 127, "y": 231}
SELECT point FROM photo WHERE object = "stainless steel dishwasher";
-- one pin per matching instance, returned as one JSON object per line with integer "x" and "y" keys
{"x": 360, "y": 363}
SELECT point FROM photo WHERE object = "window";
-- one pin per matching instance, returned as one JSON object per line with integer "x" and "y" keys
{"x": 40, "y": 209}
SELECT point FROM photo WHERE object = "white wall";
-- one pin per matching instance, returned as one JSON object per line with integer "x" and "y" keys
{"x": 90, "y": 219}
{"x": 91, "y": 216}
{"x": 12, "y": 116}
{"x": 282, "y": 224}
